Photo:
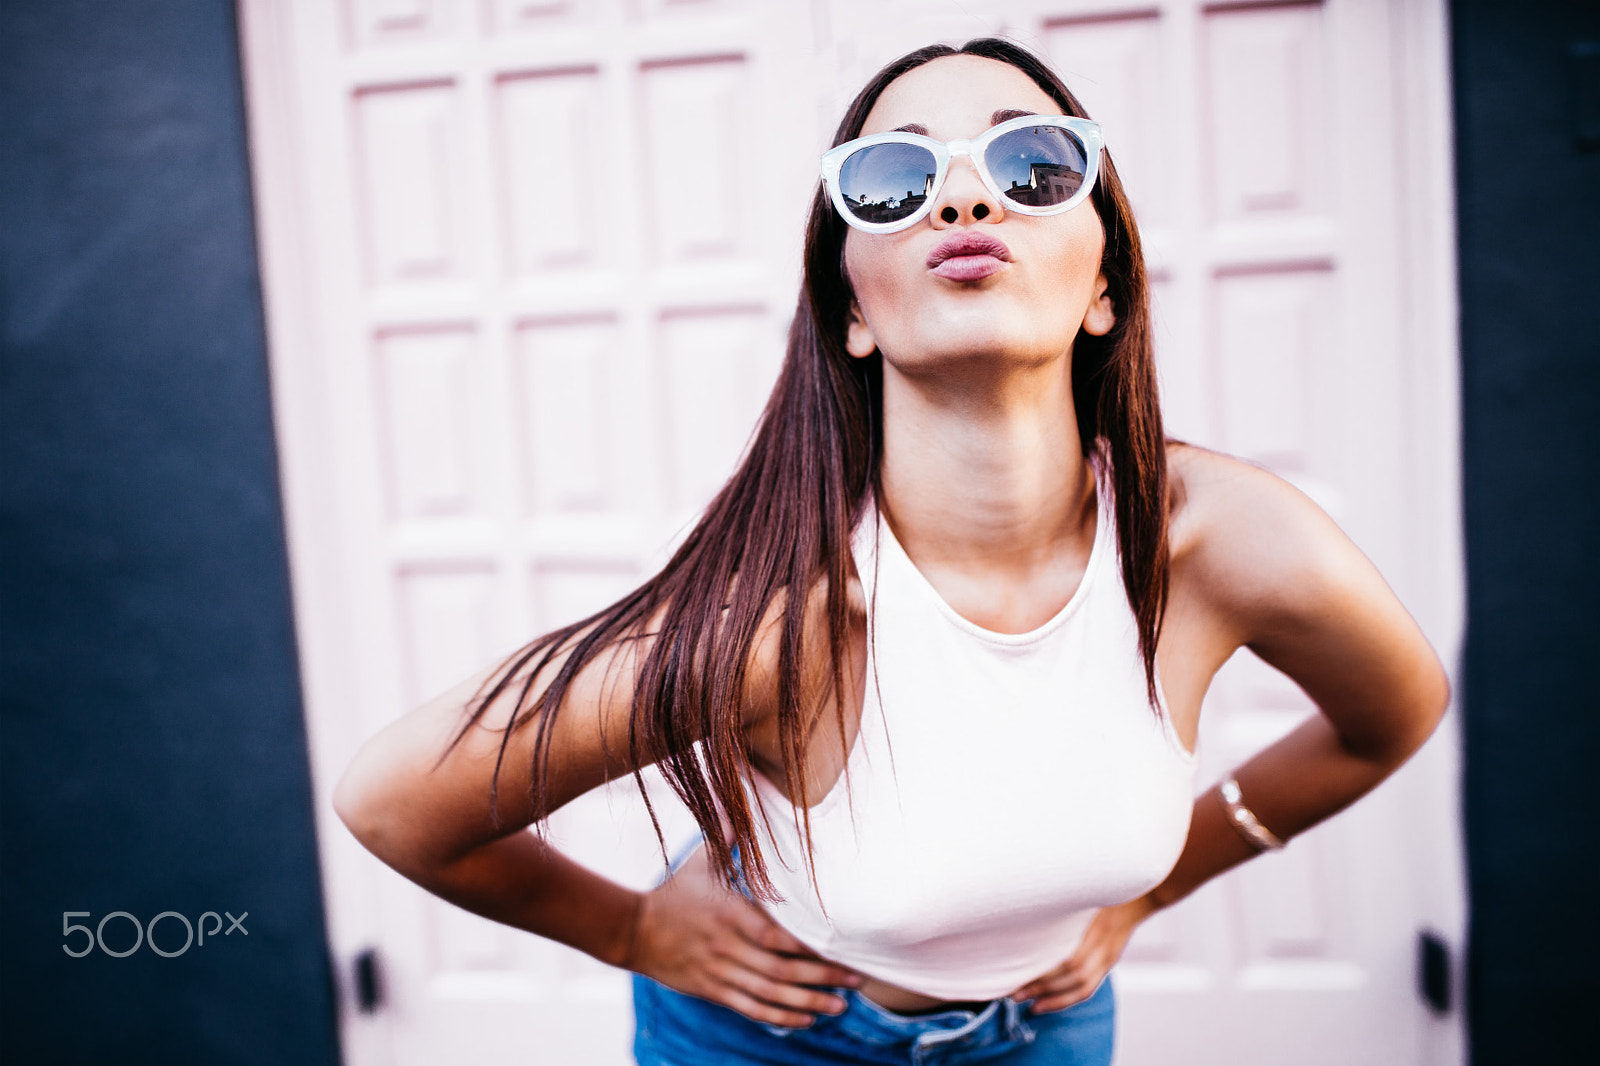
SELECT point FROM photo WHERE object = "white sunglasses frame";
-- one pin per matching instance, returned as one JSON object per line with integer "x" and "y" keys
{"x": 1086, "y": 131}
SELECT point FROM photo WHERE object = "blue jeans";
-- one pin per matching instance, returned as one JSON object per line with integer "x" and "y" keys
{"x": 672, "y": 1029}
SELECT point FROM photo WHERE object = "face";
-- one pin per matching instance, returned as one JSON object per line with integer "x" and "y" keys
{"x": 922, "y": 313}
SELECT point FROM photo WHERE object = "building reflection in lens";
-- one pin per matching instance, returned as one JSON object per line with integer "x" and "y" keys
{"x": 890, "y": 208}
{"x": 1048, "y": 183}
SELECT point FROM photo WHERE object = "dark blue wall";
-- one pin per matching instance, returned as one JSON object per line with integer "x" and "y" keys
{"x": 1529, "y": 207}
{"x": 154, "y": 753}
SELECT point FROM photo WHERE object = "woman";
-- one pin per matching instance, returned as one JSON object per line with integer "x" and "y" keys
{"x": 929, "y": 670}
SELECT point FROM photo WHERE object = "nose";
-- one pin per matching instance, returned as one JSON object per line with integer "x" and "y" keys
{"x": 964, "y": 198}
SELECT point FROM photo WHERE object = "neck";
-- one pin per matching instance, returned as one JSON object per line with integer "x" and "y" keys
{"x": 987, "y": 489}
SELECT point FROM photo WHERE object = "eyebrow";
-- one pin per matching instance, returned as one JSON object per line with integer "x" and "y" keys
{"x": 1005, "y": 114}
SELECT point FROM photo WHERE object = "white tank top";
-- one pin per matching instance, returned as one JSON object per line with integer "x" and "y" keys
{"x": 1002, "y": 787}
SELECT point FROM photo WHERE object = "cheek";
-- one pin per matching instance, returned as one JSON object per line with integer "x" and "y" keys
{"x": 1078, "y": 252}
{"x": 869, "y": 265}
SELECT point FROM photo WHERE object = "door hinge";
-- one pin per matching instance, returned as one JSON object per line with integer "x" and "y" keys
{"x": 368, "y": 981}
{"x": 1433, "y": 971}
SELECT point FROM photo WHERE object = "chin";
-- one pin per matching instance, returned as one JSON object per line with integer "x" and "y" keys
{"x": 965, "y": 351}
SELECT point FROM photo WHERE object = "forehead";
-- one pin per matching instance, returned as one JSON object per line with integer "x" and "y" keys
{"x": 954, "y": 97}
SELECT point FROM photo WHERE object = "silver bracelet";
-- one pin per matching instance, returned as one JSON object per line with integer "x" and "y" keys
{"x": 1244, "y": 819}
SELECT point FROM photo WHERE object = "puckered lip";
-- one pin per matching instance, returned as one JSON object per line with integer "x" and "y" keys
{"x": 966, "y": 242}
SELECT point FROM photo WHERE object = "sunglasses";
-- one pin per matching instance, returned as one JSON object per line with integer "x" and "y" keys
{"x": 1037, "y": 164}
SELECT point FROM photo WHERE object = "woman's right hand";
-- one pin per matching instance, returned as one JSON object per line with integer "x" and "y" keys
{"x": 696, "y": 935}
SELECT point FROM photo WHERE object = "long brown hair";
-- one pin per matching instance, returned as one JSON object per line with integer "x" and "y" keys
{"x": 782, "y": 525}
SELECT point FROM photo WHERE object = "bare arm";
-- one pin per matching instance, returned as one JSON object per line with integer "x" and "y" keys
{"x": 426, "y": 812}
{"x": 1260, "y": 566}
{"x": 430, "y": 818}
{"x": 1281, "y": 579}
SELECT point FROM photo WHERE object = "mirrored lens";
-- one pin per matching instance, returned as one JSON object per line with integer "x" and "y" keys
{"x": 1037, "y": 166}
{"x": 887, "y": 182}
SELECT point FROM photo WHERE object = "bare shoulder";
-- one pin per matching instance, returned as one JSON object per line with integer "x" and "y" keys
{"x": 1256, "y": 548}
{"x": 1257, "y": 563}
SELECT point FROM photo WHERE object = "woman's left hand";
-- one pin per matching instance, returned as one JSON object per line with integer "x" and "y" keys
{"x": 1076, "y": 979}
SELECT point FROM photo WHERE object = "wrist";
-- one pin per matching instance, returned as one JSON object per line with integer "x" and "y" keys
{"x": 1139, "y": 908}
{"x": 1157, "y": 899}
{"x": 1244, "y": 820}
{"x": 625, "y": 951}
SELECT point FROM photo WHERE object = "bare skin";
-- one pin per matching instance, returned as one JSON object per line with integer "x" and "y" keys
{"x": 988, "y": 493}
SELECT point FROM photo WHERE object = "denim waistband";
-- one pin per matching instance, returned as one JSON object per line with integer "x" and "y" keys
{"x": 918, "y": 1039}
{"x": 678, "y": 1030}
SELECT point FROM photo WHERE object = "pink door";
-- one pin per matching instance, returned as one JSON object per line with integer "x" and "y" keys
{"x": 525, "y": 304}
